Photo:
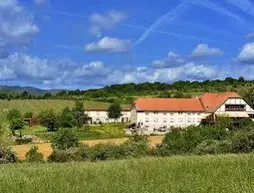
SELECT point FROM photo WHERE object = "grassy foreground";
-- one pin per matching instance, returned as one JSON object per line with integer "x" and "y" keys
{"x": 229, "y": 173}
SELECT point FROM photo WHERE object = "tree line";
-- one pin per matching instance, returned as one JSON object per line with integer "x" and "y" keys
{"x": 132, "y": 89}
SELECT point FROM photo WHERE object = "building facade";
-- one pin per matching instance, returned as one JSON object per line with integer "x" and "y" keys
{"x": 152, "y": 114}
{"x": 100, "y": 115}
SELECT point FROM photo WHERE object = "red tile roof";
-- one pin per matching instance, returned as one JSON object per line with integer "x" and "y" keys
{"x": 212, "y": 101}
{"x": 169, "y": 104}
{"x": 208, "y": 102}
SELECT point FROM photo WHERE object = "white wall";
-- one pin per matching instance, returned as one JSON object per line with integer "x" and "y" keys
{"x": 102, "y": 116}
{"x": 155, "y": 120}
{"x": 235, "y": 101}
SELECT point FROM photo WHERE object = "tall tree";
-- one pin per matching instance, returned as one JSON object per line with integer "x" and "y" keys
{"x": 49, "y": 120}
{"x": 79, "y": 114}
{"x": 16, "y": 121}
{"x": 114, "y": 111}
{"x": 66, "y": 119}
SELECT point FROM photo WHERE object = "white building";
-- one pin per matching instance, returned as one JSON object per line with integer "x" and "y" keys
{"x": 151, "y": 114}
{"x": 100, "y": 115}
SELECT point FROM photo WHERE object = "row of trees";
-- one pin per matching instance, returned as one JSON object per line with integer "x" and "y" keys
{"x": 123, "y": 91}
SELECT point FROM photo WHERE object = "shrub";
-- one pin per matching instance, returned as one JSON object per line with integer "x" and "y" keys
{"x": 28, "y": 114}
{"x": 20, "y": 141}
{"x": 65, "y": 139}
{"x": 213, "y": 147}
{"x": 33, "y": 155}
{"x": 243, "y": 142}
{"x": 224, "y": 122}
{"x": 7, "y": 155}
{"x": 63, "y": 156}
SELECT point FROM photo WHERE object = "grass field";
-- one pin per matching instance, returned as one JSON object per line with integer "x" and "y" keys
{"x": 213, "y": 174}
{"x": 36, "y": 106}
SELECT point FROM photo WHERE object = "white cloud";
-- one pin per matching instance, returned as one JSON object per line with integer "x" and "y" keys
{"x": 108, "y": 44}
{"x": 173, "y": 59}
{"x": 107, "y": 21}
{"x": 66, "y": 73}
{"x": 17, "y": 28}
{"x": 204, "y": 50}
{"x": 247, "y": 54}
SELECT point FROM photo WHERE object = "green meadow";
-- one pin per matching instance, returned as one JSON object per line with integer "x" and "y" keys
{"x": 197, "y": 174}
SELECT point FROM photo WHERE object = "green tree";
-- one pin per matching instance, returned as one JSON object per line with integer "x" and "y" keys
{"x": 33, "y": 155}
{"x": 67, "y": 119}
{"x": 47, "y": 95}
{"x": 79, "y": 114}
{"x": 16, "y": 121}
{"x": 114, "y": 111}
{"x": 65, "y": 139}
{"x": 49, "y": 120}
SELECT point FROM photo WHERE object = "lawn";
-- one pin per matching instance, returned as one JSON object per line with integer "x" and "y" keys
{"x": 104, "y": 131}
{"x": 213, "y": 174}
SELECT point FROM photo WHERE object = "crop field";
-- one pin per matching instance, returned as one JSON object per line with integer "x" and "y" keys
{"x": 36, "y": 106}
{"x": 190, "y": 174}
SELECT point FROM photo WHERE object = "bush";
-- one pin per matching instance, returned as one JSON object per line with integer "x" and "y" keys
{"x": 243, "y": 142}
{"x": 20, "y": 141}
{"x": 65, "y": 139}
{"x": 7, "y": 155}
{"x": 33, "y": 155}
{"x": 28, "y": 114}
{"x": 213, "y": 147}
{"x": 184, "y": 142}
{"x": 63, "y": 156}
{"x": 101, "y": 152}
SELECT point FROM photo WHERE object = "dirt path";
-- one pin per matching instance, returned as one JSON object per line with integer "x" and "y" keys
{"x": 45, "y": 148}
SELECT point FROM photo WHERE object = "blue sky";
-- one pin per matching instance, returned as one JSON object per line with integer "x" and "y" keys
{"x": 90, "y": 43}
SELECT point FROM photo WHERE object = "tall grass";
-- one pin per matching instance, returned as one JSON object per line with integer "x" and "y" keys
{"x": 230, "y": 173}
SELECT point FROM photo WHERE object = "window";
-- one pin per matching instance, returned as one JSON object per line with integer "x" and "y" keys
{"x": 147, "y": 113}
{"x": 172, "y": 114}
{"x": 171, "y": 120}
{"x": 180, "y": 113}
{"x": 164, "y": 113}
{"x": 147, "y": 121}
{"x": 155, "y": 112}
{"x": 251, "y": 116}
{"x": 156, "y": 120}
{"x": 164, "y": 120}
{"x": 189, "y": 120}
{"x": 189, "y": 113}
{"x": 234, "y": 107}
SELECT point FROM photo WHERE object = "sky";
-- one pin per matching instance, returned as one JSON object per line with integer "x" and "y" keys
{"x": 82, "y": 44}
